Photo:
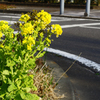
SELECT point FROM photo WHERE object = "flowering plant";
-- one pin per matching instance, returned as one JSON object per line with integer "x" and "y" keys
{"x": 18, "y": 55}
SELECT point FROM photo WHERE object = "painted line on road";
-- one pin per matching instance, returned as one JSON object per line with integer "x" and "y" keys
{"x": 90, "y": 27}
{"x": 86, "y": 62}
{"x": 78, "y": 25}
{"x": 54, "y": 20}
{"x": 11, "y": 16}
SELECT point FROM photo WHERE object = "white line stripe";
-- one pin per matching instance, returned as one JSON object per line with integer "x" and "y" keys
{"x": 11, "y": 16}
{"x": 53, "y": 20}
{"x": 77, "y": 25}
{"x": 90, "y": 27}
{"x": 82, "y": 60}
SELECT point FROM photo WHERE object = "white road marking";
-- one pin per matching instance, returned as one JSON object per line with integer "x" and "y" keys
{"x": 90, "y": 27}
{"x": 53, "y": 20}
{"x": 82, "y": 60}
{"x": 78, "y": 25}
{"x": 11, "y": 16}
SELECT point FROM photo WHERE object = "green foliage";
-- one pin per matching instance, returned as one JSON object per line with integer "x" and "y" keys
{"x": 18, "y": 55}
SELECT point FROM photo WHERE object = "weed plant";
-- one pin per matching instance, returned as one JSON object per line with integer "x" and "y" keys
{"x": 18, "y": 55}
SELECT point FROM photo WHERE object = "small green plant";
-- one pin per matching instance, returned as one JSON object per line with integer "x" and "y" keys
{"x": 18, "y": 55}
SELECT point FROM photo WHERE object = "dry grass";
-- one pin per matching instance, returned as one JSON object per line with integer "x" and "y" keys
{"x": 5, "y": 7}
{"x": 44, "y": 82}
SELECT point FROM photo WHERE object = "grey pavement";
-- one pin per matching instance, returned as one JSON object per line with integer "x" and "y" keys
{"x": 64, "y": 87}
{"x": 77, "y": 13}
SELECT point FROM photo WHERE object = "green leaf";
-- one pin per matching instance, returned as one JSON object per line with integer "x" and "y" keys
{"x": 27, "y": 89}
{"x": 23, "y": 95}
{"x": 34, "y": 88}
{"x": 41, "y": 55}
{"x": 10, "y": 63}
{"x": 23, "y": 52}
{"x": 9, "y": 96}
{"x": 20, "y": 59}
{"x": 30, "y": 96}
{"x": 18, "y": 82}
{"x": 18, "y": 97}
{"x": 9, "y": 81}
{"x": 12, "y": 87}
{"x": 31, "y": 62}
{"x": 1, "y": 94}
{"x": 5, "y": 72}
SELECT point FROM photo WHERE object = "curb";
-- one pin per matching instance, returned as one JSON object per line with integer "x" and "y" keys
{"x": 13, "y": 11}
{"x": 64, "y": 85}
{"x": 75, "y": 17}
{"x": 19, "y": 12}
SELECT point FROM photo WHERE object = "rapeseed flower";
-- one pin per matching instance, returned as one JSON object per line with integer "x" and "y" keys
{"x": 27, "y": 28}
{"x": 1, "y": 45}
{"x": 44, "y": 16}
{"x": 3, "y": 26}
{"x": 56, "y": 29}
{"x": 29, "y": 41}
{"x": 29, "y": 47}
{"x": 24, "y": 18}
{"x": 3, "y": 22}
{"x": 1, "y": 34}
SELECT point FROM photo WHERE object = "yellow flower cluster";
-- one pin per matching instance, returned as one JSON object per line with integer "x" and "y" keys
{"x": 1, "y": 34}
{"x": 3, "y": 22}
{"x": 3, "y": 26}
{"x": 4, "y": 29}
{"x": 27, "y": 28}
{"x": 24, "y": 18}
{"x": 56, "y": 29}
{"x": 44, "y": 16}
{"x": 29, "y": 41}
{"x": 40, "y": 24}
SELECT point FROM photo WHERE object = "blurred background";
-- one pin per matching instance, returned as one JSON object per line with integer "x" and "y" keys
{"x": 93, "y": 2}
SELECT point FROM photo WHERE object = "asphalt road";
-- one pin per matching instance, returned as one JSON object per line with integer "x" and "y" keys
{"x": 81, "y": 38}
{"x": 79, "y": 35}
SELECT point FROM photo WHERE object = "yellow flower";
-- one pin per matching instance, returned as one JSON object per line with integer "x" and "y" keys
{"x": 1, "y": 34}
{"x": 3, "y": 26}
{"x": 24, "y": 41}
{"x": 24, "y": 18}
{"x": 29, "y": 47}
{"x": 1, "y": 45}
{"x": 3, "y": 22}
{"x": 29, "y": 41}
{"x": 20, "y": 24}
{"x": 44, "y": 16}
{"x": 56, "y": 29}
{"x": 27, "y": 28}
